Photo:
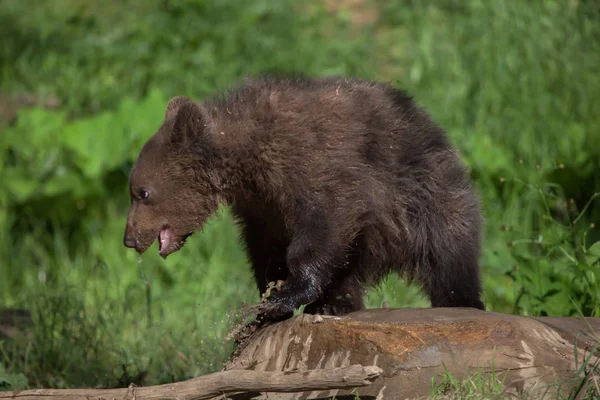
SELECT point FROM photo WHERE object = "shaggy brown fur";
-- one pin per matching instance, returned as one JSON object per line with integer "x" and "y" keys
{"x": 335, "y": 183}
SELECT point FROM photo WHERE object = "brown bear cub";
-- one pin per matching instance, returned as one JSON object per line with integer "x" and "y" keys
{"x": 334, "y": 181}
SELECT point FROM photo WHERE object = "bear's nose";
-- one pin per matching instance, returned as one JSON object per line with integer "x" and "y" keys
{"x": 128, "y": 239}
{"x": 129, "y": 242}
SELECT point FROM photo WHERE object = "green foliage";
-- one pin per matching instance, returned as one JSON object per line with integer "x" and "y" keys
{"x": 557, "y": 266}
{"x": 91, "y": 54}
{"x": 515, "y": 84}
{"x": 73, "y": 157}
{"x": 12, "y": 381}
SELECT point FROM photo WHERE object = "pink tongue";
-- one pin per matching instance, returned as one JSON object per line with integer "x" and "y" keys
{"x": 164, "y": 239}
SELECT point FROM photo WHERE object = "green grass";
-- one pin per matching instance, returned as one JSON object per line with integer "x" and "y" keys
{"x": 476, "y": 385}
{"x": 515, "y": 84}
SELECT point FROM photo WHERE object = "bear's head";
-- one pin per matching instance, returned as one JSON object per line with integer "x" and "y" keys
{"x": 172, "y": 192}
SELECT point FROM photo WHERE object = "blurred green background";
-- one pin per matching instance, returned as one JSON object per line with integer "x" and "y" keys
{"x": 85, "y": 83}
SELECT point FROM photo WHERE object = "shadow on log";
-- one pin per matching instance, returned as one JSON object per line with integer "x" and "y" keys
{"x": 380, "y": 354}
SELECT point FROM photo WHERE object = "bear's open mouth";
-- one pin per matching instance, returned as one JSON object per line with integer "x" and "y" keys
{"x": 164, "y": 239}
{"x": 167, "y": 243}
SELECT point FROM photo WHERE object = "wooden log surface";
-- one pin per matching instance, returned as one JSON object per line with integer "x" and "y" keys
{"x": 413, "y": 345}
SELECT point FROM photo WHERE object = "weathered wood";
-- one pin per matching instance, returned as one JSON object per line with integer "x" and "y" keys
{"x": 218, "y": 383}
{"x": 413, "y": 345}
{"x": 382, "y": 354}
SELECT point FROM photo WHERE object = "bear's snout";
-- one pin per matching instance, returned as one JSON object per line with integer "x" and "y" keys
{"x": 128, "y": 239}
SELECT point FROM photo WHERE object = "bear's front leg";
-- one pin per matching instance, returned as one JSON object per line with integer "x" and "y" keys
{"x": 311, "y": 262}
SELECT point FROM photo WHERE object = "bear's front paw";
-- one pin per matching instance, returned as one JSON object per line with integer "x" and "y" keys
{"x": 275, "y": 309}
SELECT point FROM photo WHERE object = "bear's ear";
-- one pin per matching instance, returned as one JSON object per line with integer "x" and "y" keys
{"x": 174, "y": 104}
{"x": 190, "y": 120}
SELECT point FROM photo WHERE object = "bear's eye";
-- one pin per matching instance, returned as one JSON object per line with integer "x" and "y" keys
{"x": 144, "y": 194}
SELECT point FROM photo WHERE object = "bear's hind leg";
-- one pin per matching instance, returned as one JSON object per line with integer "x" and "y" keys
{"x": 452, "y": 279}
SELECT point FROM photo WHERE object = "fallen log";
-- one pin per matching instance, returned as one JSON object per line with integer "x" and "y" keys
{"x": 381, "y": 354}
